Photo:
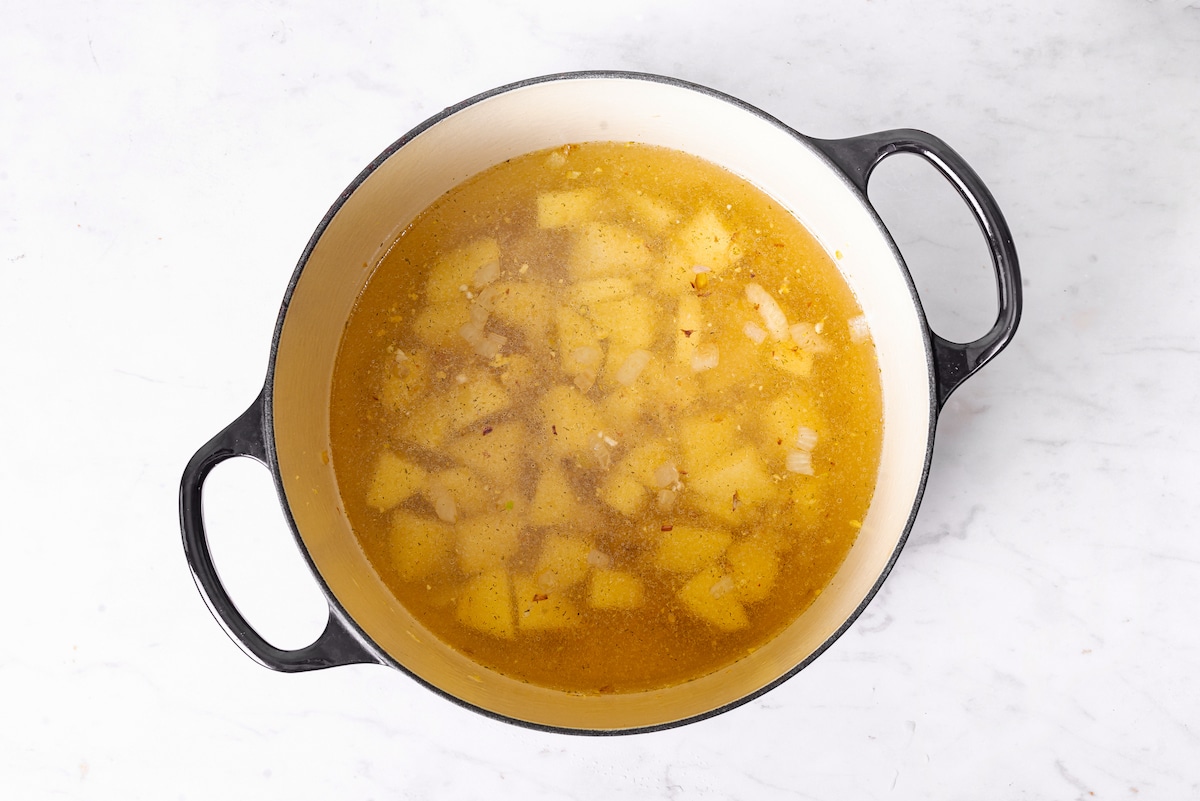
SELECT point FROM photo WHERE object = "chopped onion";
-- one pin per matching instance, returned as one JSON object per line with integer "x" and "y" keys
{"x": 706, "y": 357}
{"x": 443, "y": 502}
{"x": 755, "y": 332}
{"x": 598, "y": 559}
{"x": 632, "y": 367}
{"x": 487, "y": 297}
{"x": 858, "y": 328}
{"x": 486, "y": 345}
{"x": 480, "y": 314}
{"x": 700, "y": 268}
{"x": 806, "y": 439}
{"x": 666, "y": 499}
{"x": 487, "y": 273}
{"x": 805, "y": 335}
{"x": 665, "y": 475}
{"x": 401, "y": 356}
{"x": 800, "y": 462}
{"x": 773, "y": 317}
{"x": 723, "y": 585}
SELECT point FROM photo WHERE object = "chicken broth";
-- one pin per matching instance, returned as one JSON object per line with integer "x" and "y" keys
{"x": 606, "y": 418}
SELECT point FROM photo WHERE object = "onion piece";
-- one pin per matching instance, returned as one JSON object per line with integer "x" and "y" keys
{"x": 806, "y": 439}
{"x": 723, "y": 585}
{"x": 800, "y": 462}
{"x": 665, "y": 475}
{"x": 773, "y": 317}
{"x": 443, "y": 502}
{"x": 859, "y": 332}
{"x": 632, "y": 367}
{"x": 755, "y": 332}
{"x": 598, "y": 559}
{"x": 706, "y": 357}
{"x": 666, "y": 499}
{"x": 487, "y": 273}
{"x": 805, "y": 335}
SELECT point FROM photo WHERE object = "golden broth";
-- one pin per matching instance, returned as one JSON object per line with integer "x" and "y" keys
{"x": 605, "y": 418}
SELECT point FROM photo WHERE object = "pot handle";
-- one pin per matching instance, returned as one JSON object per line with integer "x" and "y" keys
{"x": 858, "y": 156}
{"x": 337, "y": 644}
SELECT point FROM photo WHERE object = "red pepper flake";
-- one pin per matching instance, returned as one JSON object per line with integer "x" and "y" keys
{"x": 666, "y": 527}
{"x": 541, "y": 596}
{"x": 688, "y": 332}
{"x": 554, "y": 430}
{"x": 736, "y": 501}
{"x": 487, "y": 430}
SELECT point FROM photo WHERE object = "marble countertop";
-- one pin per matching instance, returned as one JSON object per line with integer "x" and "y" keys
{"x": 162, "y": 166}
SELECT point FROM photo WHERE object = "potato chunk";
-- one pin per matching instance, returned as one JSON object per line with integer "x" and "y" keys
{"x": 568, "y": 207}
{"x": 450, "y": 273}
{"x": 707, "y": 241}
{"x": 487, "y": 542}
{"x": 486, "y": 604}
{"x": 627, "y": 486}
{"x": 710, "y": 596}
{"x": 686, "y": 549}
{"x": 603, "y": 249}
{"x": 554, "y": 499}
{"x": 496, "y": 453}
{"x": 396, "y": 480}
{"x": 733, "y": 484}
{"x": 540, "y": 609}
{"x": 420, "y": 546}
{"x": 753, "y": 566}
{"x": 615, "y": 589}
{"x": 569, "y": 420}
{"x": 563, "y": 562}
{"x": 454, "y": 410}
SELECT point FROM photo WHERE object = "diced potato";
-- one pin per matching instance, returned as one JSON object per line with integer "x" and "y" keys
{"x": 457, "y": 269}
{"x": 404, "y": 383}
{"x": 626, "y": 488}
{"x": 707, "y": 241}
{"x": 574, "y": 331}
{"x": 707, "y": 440}
{"x": 776, "y": 423}
{"x": 569, "y": 420}
{"x": 602, "y": 249}
{"x": 540, "y": 609}
{"x": 554, "y": 500}
{"x": 438, "y": 323}
{"x": 470, "y": 495}
{"x": 461, "y": 406}
{"x": 739, "y": 362}
{"x": 569, "y": 207}
{"x": 487, "y": 542}
{"x": 486, "y": 604}
{"x": 729, "y": 486}
{"x": 598, "y": 290}
{"x": 754, "y": 565}
{"x": 689, "y": 327}
{"x": 706, "y": 596}
{"x": 528, "y": 307}
{"x": 496, "y": 456}
{"x": 517, "y": 371}
{"x": 686, "y": 549}
{"x": 653, "y": 215}
{"x": 615, "y": 589}
{"x": 628, "y": 323}
{"x": 790, "y": 358}
{"x": 621, "y": 409}
{"x": 563, "y": 562}
{"x": 396, "y": 480}
{"x": 420, "y": 545}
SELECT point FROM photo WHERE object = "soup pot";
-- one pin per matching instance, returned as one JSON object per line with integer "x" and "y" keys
{"x": 822, "y": 182}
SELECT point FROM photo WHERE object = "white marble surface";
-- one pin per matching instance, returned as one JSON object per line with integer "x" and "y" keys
{"x": 162, "y": 166}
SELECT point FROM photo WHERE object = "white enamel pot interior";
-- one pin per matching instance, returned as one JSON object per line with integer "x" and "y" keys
{"x": 821, "y": 183}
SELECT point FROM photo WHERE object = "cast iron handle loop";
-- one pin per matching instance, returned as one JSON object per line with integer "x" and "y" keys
{"x": 336, "y": 645}
{"x": 858, "y": 156}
